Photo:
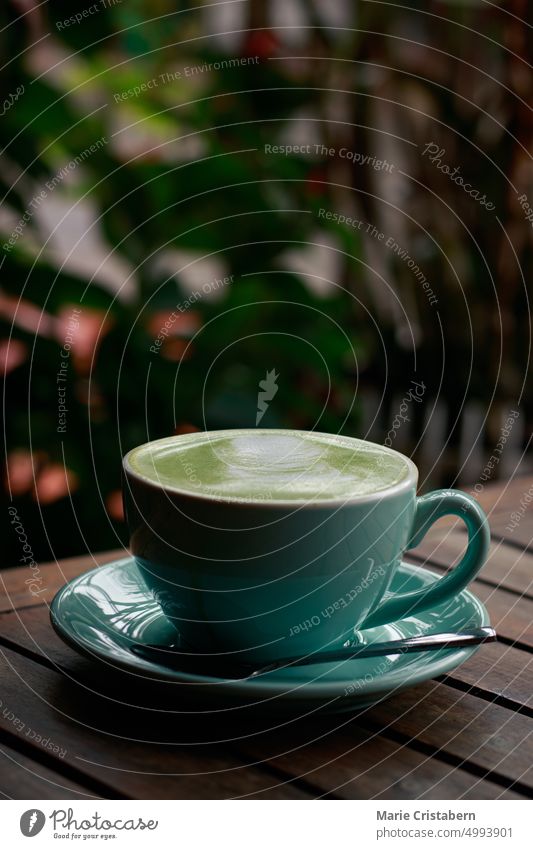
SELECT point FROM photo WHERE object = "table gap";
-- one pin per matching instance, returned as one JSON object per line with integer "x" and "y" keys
{"x": 486, "y": 695}
{"x": 451, "y": 760}
{"x": 103, "y": 790}
{"x": 423, "y": 560}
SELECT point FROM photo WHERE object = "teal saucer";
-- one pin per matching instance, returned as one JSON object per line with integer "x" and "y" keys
{"x": 104, "y": 612}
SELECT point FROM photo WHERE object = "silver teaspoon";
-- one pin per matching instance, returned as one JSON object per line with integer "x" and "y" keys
{"x": 219, "y": 666}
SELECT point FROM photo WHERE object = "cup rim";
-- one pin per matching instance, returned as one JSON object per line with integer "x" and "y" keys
{"x": 406, "y": 483}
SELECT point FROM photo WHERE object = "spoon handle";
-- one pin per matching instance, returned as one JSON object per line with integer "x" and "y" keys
{"x": 426, "y": 642}
{"x": 221, "y": 667}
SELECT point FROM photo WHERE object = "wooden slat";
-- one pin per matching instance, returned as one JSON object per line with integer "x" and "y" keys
{"x": 23, "y": 778}
{"x": 511, "y": 615}
{"x": 520, "y": 536}
{"x": 489, "y": 737}
{"x": 502, "y": 495}
{"x": 14, "y": 583}
{"x": 372, "y": 767}
{"x": 502, "y": 672}
{"x": 502, "y": 499}
{"x": 496, "y": 668}
{"x": 433, "y": 741}
{"x": 104, "y": 745}
{"x": 355, "y": 763}
{"x": 506, "y": 565}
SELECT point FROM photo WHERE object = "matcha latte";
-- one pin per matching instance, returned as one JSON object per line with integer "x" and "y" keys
{"x": 269, "y": 465}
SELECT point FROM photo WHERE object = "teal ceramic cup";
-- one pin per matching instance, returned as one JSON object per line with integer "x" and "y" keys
{"x": 264, "y": 579}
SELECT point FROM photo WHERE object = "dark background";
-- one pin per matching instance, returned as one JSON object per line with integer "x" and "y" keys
{"x": 180, "y": 192}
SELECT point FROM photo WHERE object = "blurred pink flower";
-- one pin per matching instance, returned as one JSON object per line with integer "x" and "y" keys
{"x": 185, "y": 427}
{"x": 26, "y": 315}
{"x": 171, "y": 323}
{"x": 54, "y": 481}
{"x": 12, "y": 354}
{"x": 176, "y": 350}
{"x": 28, "y": 472}
{"x": 21, "y": 467}
{"x": 114, "y": 505}
{"x": 79, "y": 331}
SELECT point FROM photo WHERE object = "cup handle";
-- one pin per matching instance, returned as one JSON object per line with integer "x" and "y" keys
{"x": 430, "y": 508}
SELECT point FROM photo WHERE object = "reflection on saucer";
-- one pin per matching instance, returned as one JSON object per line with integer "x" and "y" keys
{"x": 105, "y": 612}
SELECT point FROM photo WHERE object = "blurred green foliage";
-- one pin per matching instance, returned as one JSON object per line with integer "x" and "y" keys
{"x": 182, "y": 168}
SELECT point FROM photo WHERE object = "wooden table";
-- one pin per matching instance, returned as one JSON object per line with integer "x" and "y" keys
{"x": 468, "y": 735}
